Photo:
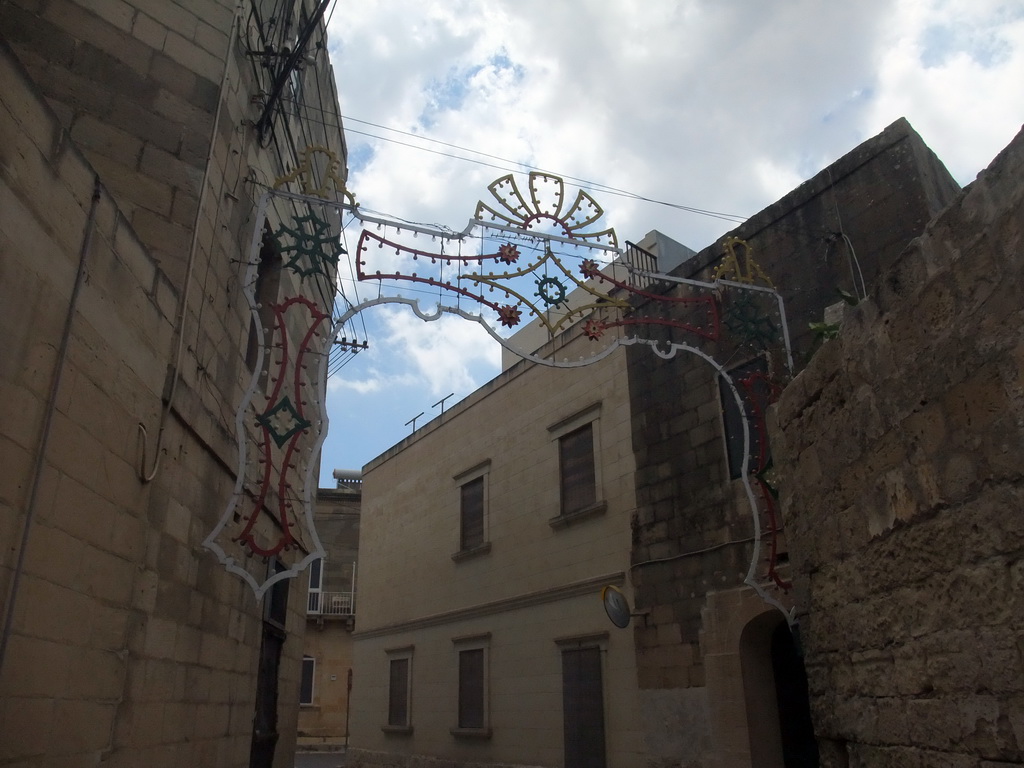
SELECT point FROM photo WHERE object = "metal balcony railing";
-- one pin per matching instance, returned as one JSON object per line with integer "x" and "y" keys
{"x": 331, "y": 604}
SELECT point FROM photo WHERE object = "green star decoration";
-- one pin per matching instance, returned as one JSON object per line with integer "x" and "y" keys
{"x": 312, "y": 243}
{"x": 748, "y": 321}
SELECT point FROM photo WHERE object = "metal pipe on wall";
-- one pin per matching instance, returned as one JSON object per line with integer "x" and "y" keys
{"x": 51, "y": 407}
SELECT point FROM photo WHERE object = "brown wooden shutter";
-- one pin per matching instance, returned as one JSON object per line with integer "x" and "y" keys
{"x": 398, "y": 693}
{"x": 576, "y": 463}
{"x": 472, "y": 514}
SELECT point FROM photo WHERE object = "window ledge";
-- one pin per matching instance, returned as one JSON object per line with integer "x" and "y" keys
{"x": 571, "y": 518}
{"x": 481, "y": 734}
{"x": 469, "y": 554}
{"x": 397, "y": 729}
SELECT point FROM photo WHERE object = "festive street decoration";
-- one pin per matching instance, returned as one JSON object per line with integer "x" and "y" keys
{"x": 738, "y": 264}
{"x": 305, "y": 174}
{"x": 545, "y": 204}
{"x": 311, "y": 247}
{"x": 536, "y": 257}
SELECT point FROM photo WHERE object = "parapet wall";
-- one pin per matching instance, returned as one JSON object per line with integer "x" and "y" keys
{"x": 901, "y": 452}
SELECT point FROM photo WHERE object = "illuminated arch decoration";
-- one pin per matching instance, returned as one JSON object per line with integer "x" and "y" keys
{"x": 536, "y": 259}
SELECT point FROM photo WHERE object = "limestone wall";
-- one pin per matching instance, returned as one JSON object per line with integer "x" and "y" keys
{"x": 130, "y": 644}
{"x": 902, "y": 452}
{"x": 531, "y": 589}
{"x": 693, "y": 529}
{"x": 125, "y": 643}
{"x": 328, "y": 638}
{"x": 167, "y": 58}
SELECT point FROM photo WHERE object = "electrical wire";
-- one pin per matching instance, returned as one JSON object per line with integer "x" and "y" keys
{"x": 586, "y": 183}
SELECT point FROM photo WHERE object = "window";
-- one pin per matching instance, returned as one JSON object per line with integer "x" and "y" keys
{"x": 576, "y": 469}
{"x": 579, "y": 472}
{"x": 306, "y": 687}
{"x": 755, "y": 391}
{"x": 472, "y": 514}
{"x": 399, "y": 691}
{"x": 268, "y": 282}
{"x": 472, "y": 486}
{"x": 275, "y": 605}
{"x": 473, "y": 712}
{"x": 314, "y": 605}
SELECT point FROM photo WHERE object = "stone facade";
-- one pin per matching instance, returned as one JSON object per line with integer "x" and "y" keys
{"x": 693, "y": 528}
{"x": 701, "y": 688}
{"x": 129, "y": 644}
{"x": 330, "y": 618}
{"x": 526, "y": 594}
{"x": 901, "y": 455}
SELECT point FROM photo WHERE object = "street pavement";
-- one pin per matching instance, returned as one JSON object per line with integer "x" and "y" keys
{"x": 319, "y": 759}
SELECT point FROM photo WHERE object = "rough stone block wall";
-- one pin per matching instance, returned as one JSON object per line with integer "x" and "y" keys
{"x": 693, "y": 527}
{"x": 902, "y": 452}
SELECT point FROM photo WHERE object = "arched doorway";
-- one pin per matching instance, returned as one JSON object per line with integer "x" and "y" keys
{"x": 775, "y": 690}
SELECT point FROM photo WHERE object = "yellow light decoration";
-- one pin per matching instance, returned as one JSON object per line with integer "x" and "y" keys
{"x": 545, "y": 206}
{"x": 303, "y": 173}
{"x": 740, "y": 267}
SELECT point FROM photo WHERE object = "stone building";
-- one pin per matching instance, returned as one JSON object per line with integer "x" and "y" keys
{"x": 481, "y": 578}
{"x": 331, "y": 616}
{"x": 135, "y": 141}
{"x": 675, "y": 526}
{"x": 906, "y": 535}
{"x": 711, "y": 651}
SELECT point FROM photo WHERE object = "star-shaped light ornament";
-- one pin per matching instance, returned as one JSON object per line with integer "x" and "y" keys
{"x": 509, "y": 315}
{"x": 508, "y": 253}
{"x": 590, "y": 268}
{"x": 312, "y": 246}
{"x": 593, "y": 329}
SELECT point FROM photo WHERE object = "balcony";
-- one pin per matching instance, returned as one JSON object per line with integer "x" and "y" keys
{"x": 331, "y": 604}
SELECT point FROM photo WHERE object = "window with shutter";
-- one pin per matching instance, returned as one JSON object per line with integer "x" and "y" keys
{"x": 398, "y": 693}
{"x": 471, "y": 688}
{"x": 473, "y": 715}
{"x": 576, "y": 466}
{"x": 306, "y": 686}
{"x": 472, "y": 514}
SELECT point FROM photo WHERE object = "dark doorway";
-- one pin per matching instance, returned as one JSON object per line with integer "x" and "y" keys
{"x": 583, "y": 708}
{"x": 799, "y": 748}
{"x": 264, "y": 730}
{"x": 775, "y": 688}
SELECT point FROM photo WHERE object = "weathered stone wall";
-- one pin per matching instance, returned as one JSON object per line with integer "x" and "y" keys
{"x": 902, "y": 452}
{"x": 693, "y": 528}
{"x": 685, "y": 499}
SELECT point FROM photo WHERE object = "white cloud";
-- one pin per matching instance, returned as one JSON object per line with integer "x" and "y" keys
{"x": 446, "y": 354}
{"x": 716, "y": 105}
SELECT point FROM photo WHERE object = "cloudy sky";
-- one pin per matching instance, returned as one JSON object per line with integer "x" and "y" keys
{"x": 720, "y": 105}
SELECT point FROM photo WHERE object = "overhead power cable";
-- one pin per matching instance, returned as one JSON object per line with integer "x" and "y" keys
{"x": 593, "y": 185}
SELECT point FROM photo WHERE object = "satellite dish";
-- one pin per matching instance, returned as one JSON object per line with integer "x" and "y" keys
{"x": 616, "y": 606}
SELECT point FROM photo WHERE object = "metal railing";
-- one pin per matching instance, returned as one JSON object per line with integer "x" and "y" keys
{"x": 331, "y": 604}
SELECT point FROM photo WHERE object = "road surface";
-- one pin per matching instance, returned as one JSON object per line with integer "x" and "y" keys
{"x": 319, "y": 759}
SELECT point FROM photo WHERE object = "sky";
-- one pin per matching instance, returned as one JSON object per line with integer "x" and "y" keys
{"x": 719, "y": 105}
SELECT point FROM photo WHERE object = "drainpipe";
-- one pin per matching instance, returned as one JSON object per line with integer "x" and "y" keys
{"x": 44, "y": 439}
